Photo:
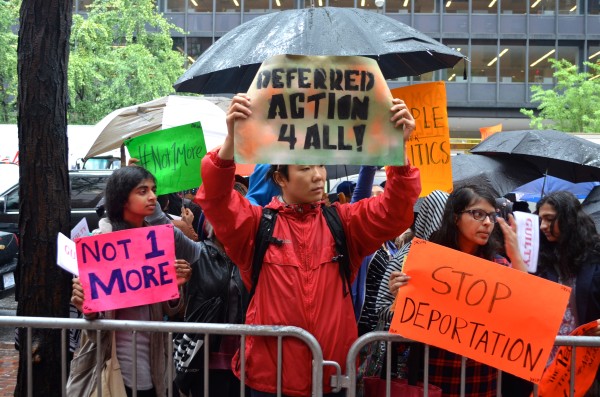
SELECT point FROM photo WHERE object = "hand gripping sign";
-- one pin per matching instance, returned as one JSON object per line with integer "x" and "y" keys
{"x": 319, "y": 110}
{"x": 479, "y": 309}
{"x": 127, "y": 268}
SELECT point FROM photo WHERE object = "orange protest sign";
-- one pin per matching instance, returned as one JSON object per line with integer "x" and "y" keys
{"x": 557, "y": 377}
{"x": 429, "y": 146}
{"x": 479, "y": 309}
{"x": 487, "y": 131}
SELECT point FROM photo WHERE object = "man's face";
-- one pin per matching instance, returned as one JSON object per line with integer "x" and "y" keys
{"x": 305, "y": 183}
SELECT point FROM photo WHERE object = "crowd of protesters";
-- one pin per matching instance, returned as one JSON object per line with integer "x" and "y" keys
{"x": 301, "y": 280}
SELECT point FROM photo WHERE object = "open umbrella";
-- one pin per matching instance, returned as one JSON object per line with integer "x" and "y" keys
{"x": 500, "y": 175}
{"x": 533, "y": 191}
{"x": 591, "y": 205}
{"x": 161, "y": 113}
{"x": 553, "y": 152}
{"x": 230, "y": 64}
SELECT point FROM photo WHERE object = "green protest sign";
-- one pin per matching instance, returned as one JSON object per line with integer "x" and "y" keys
{"x": 173, "y": 156}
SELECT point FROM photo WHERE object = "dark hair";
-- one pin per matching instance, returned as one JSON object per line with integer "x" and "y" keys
{"x": 458, "y": 200}
{"x": 119, "y": 186}
{"x": 282, "y": 168}
{"x": 578, "y": 236}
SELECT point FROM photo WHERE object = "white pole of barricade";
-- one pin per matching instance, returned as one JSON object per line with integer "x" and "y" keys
{"x": 463, "y": 375}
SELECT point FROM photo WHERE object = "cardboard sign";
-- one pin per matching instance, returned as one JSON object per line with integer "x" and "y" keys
{"x": 127, "y": 268}
{"x": 556, "y": 380}
{"x": 528, "y": 238}
{"x": 429, "y": 145}
{"x": 173, "y": 156}
{"x": 80, "y": 230}
{"x": 66, "y": 254}
{"x": 319, "y": 110}
{"x": 479, "y": 309}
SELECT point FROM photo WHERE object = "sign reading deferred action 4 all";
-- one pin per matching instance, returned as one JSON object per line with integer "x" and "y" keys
{"x": 319, "y": 110}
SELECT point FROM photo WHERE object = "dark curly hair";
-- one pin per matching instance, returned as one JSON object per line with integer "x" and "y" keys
{"x": 578, "y": 237}
{"x": 459, "y": 199}
{"x": 118, "y": 187}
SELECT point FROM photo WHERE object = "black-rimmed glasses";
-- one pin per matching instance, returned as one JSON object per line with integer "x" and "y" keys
{"x": 480, "y": 215}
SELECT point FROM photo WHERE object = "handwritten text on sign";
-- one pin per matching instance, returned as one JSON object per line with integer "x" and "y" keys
{"x": 473, "y": 307}
{"x": 173, "y": 156}
{"x": 127, "y": 268}
{"x": 319, "y": 110}
{"x": 429, "y": 146}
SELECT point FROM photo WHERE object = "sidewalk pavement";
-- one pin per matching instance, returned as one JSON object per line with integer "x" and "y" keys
{"x": 9, "y": 366}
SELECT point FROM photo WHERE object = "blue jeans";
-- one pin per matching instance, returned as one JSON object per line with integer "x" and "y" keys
{"x": 255, "y": 393}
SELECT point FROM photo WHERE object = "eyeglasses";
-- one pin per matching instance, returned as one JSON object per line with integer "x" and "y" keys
{"x": 480, "y": 215}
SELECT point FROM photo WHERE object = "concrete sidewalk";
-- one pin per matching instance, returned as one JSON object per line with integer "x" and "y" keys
{"x": 9, "y": 366}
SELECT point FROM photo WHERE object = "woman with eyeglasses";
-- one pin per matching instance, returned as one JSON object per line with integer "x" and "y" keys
{"x": 467, "y": 223}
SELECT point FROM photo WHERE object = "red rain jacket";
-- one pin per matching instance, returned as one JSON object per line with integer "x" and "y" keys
{"x": 299, "y": 285}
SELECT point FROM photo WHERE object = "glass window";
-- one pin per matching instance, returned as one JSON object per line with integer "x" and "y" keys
{"x": 87, "y": 191}
{"x": 175, "y": 6}
{"x": 201, "y": 5}
{"x": 12, "y": 200}
{"x": 367, "y": 4}
{"x": 456, "y": 6}
{"x": 228, "y": 5}
{"x": 455, "y": 75}
{"x": 278, "y": 5}
{"x": 342, "y": 3}
{"x": 540, "y": 70}
{"x": 256, "y": 5}
{"x": 593, "y": 7}
{"x": 83, "y": 5}
{"x": 485, "y": 6}
{"x": 484, "y": 59}
{"x": 398, "y": 6}
{"x": 568, "y": 7}
{"x": 511, "y": 61}
{"x": 594, "y": 53}
{"x": 568, "y": 52}
{"x": 429, "y": 76}
{"x": 197, "y": 46}
{"x": 426, "y": 6}
{"x": 542, "y": 6}
{"x": 513, "y": 6}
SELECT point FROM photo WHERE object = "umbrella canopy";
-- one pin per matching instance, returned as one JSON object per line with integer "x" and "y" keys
{"x": 159, "y": 114}
{"x": 591, "y": 205}
{"x": 553, "y": 152}
{"x": 340, "y": 171}
{"x": 500, "y": 175}
{"x": 532, "y": 191}
{"x": 230, "y": 64}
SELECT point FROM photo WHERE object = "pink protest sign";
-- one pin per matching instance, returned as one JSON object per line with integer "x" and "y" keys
{"x": 127, "y": 268}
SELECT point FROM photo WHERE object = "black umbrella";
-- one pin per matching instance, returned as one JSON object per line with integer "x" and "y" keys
{"x": 500, "y": 175}
{"x": 591, "y": 205}
{"x": 556, "y": 153}
{"x": 230, "y": 64}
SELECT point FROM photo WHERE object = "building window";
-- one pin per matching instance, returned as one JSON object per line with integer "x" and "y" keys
{"x": 485, "y": 6}
{"x": 84, "y": 5}
{"x": 540, "y": 70}
{"x": 511, "y": 61}
{"x": 175, "y": 6}
{"x": 483, "y": 65}
{"x": 429, "y": 76}
{"x": 456, "y": 74}
{"x": 456, "y": 6}
{"x": 342, "y": 3}
{"x": 197, "y": 46}
{"x": 228, "y": 5}
{"x": 513, "y": 7}
{"x": 542, "y": 6}
{"x": 594, "y": 53}
{"x": 568, "y": 7}
{"x": 256, "y": 5}
{"x": 397, "y": 6}
{"x": 426, "y": 6}
{"x": 200, "y": 6}
{"x": 593, "y": 7}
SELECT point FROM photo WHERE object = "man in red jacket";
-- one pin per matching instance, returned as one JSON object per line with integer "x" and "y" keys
{"x": 299, "y": 284}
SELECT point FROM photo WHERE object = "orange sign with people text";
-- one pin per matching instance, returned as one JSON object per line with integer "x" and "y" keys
{"x": 479, "y": 309}
{"x": 429, "y": 146}
{"x": 556, "y": 380}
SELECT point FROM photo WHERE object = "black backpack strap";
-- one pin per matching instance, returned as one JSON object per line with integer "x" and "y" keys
{"x": 342, "y": 258}
{"x": 264, "y": 237}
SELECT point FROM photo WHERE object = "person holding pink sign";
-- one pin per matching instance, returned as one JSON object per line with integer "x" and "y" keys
{"x": 130, "y": 197}
{"x": 300, "y": 282}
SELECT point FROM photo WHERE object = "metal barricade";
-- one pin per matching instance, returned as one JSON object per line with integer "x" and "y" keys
{"x": 348, "y": 381}
{"x": 170, "y": 328}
